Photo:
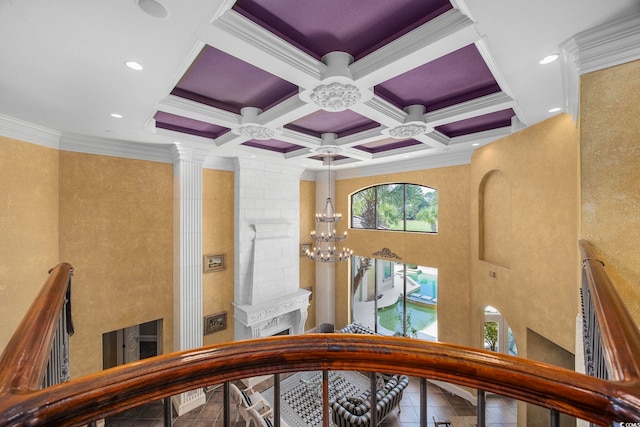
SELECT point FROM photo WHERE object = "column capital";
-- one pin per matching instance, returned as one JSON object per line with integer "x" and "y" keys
{"x": 181, "y": 152}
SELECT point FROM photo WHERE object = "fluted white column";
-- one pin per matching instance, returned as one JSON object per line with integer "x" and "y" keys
{"x": 187, "y": 260}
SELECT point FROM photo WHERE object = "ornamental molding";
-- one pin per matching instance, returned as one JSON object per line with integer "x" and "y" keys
{"x": 256, "y": 314}
{"x": 255, "y": 131}
{"x": 385, "y": 253}
{"x": 408, "y": 130}
{"x": 335, "y": 96}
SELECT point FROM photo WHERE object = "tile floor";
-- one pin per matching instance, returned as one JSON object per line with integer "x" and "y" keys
{"x": 500, "y": 411}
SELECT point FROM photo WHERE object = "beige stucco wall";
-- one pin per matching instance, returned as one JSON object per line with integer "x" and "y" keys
{"x": 610, "y": 163}
{"x": 116, "y": 230}
{"x": 307, "y": 266}
{"x": 217, "y": 238}
{"x": 448, "y": 250}
{"x": 29, "y": 185}
{"x": 536, "y": 283}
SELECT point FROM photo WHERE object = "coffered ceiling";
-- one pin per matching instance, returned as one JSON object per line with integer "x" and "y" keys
{"x": 368, "y": 81}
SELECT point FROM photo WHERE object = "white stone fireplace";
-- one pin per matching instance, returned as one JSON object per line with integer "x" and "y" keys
{"x": 267, "y": 296}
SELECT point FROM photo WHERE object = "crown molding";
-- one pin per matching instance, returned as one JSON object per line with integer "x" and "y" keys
{"x": 28, "y": 132}
{"x": 604, "y": 46}
{"x": 116, "y": 148}
{"x": 418, "y": 163}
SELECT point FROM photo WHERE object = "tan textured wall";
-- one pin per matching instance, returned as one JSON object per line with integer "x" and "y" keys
{"x": 610, "y": 162}
{"x": 116, "y": 230}
{"x": 536, "y": 287}
{"x": 448, "y": 250}
{"x": 307, "y": 266}
{"x": 218, "y": 238}
{"x": 29, "y": 185}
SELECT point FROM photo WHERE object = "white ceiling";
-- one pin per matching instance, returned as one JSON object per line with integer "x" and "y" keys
{"x": 62, "y": 62}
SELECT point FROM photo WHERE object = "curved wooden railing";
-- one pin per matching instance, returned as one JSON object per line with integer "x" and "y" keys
{"x": 106, "y": 393}
{"x": 615, "y": 332}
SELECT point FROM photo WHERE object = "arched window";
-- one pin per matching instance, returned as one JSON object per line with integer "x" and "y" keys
{"x": 399, "y": 207}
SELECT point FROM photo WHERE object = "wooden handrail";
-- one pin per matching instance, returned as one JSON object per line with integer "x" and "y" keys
{"x": 86, "y": 399}
{"x": 24, "y": 360}
{"x": 111, "y": 391}
{"x": 620, "y": 336}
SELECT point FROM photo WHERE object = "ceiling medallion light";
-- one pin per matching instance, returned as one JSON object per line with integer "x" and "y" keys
{"x": 256, "y": 132}
{"x": 337, "y": 90}
{"x": 413, "y": 126}
{"x": 250, "y": 126}
{"x": 335, "y": 96}
{"x": 328, "y": 246}
{"x": 408, "y": 130}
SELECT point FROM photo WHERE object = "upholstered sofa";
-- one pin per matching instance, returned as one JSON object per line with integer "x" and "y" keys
{"x": 356, "y": 328}
{"x": 356, "y": 410}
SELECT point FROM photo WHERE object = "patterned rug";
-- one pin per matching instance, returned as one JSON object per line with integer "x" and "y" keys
{"x": 301, "y": 394}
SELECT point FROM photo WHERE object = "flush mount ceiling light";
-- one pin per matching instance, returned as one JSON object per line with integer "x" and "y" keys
{"x": 250, "y": 126}
{"x": 413, "y": 126}
{"x": 337, "y": 91}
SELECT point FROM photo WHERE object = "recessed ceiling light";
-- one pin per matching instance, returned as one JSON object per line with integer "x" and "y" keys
{"x": 116, "y": 115}
{"x": 133, "y": 65}
{"x": 475, "y": 144}
{"x": 555, "y": 109}
{"x": 549, "y": 59}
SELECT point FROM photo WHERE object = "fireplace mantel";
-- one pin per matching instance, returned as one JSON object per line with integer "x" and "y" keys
{"x": 270, "y": 317}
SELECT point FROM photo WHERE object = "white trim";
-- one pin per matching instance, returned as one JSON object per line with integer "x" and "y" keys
{"x": 604, "y": 46}
{"x": 28, "y": 132}
{"x": 116, "y": 148}
{"x": 420, "y": 163}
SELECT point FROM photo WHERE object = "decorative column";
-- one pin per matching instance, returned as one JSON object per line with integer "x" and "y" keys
{"x": 325, "y": 271}
{"x": 187, "y": 260}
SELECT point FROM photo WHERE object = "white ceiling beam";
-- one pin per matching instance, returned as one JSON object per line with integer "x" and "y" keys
{"x": 445, "y": 34}
{"x": 286, "y": 112}
{"x": 476, "y": 107}
{"x": 196, "y": 111}
{"x": 381, "y": 111}
{"x": 240, "y": 37}
{"x": 360, "y": 138}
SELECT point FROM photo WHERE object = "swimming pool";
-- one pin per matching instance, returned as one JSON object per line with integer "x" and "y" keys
{"x": 428, "y": 284}
{"x": 423, "y": 319}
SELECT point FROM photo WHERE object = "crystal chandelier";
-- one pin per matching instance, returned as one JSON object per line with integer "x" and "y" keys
{"x": 327, "y": 242}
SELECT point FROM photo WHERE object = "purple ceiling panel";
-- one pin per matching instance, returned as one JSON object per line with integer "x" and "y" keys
{"x": 273, "y": 145}
{"x": 223, "y": 81}
{"x": 386, "y": 145}
{"x": 457, "y": 77}
{"x": 355, "y": 26}
{"x": 344, "y": 123}
{"x": 489, "y": 121}
{"x": 189, "y": 126}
